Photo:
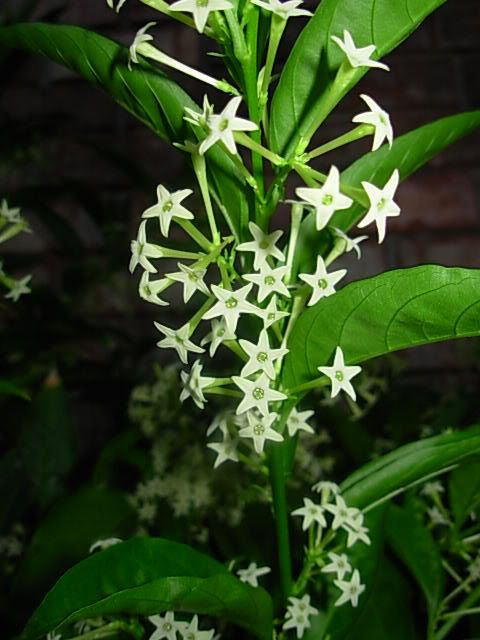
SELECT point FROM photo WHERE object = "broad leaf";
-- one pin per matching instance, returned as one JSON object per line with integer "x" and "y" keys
{"x": 464, "y": 491}
{"x": 8, "y": 388}
{"x": 409, "y": 152}
{"x": 411, "y": 464}
{"x": 415, "y": 546}
{"x": 145, "y": 92}
{"x": 145, "y": 576}
{"x": 308, "y": 76}
{"x": 372, "y": 317}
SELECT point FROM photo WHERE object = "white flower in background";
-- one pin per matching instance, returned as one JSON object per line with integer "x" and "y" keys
{"x": 260, "y": 356}
{"x": 147, "y": 512}
{"x": 10, "y": 214}
{"x": 271, "y": 314}
{"x": 104, "y": 544}
{"x": 221, "y": 422}
{"x": 226, "y": 450}
{"x": 19, "y": 288}
{"x": 298, "y": 612}
{"x": 378, "y": 118}
{"x": 221, "y": 127}
{"x": 322, "y": 282}
{"x": 311, "y": 513}
{"x": 432, "y": 489}
{"x": 200, "y": 9}
{"x": 327, "y": 199}
{"x": 120, "y": 4}
{"x": 194, "y": 384}
{"x": 340, "y": 375}
{"x": 178, "y": 340}
{"x": 189, "y": 631}
{"x": 217, "y": 336}
{"x": 166, "y": 626}
{"x": 339, "y": 565}
{"x": 358, "y": 56}
{"x": 142, "y": 250}
{"x": 342, "y": 514}
{"x": 351, "y": 589}
{"x": 382, "y": 205}
{"x": 437, "y": 517}
{"x": 199, "y": 119}
{"x": 474, "y": 569}
{"x": 251, "y": 574}
{"x": 192, "y": 280}
{"x": 168, "y": 207}
{"x": 230, "y": 305}
{"x": 357, "y": 531}
{"x": 326, "y": 485}
{"x": 301, "y": 605}
{"x": 352, "y": 244}
{"x": 140, "y": 37}
{"x": 149, "y": 289}
{"x": 260, "y": 429}
{"x": 284, "y": 10}
{"x": 269, "y": 281}
{"x": 257, "y": 394}
{"x": 263, "y": 245}
{"x": 297, "y": 421}
{"x": 54, "y": 636}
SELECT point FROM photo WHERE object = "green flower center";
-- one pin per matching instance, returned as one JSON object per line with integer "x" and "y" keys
{"x": 179, "y": 340}
{"x": 322, "y": 283}
{"x": 167, "y": 206}
{"x": 221, "y": 333}
{"x": 202, "y": 3}
{"x": 224, "y": 123}
{"x": 167, "y": 626}
{"x": 263, "y": 244}
{"x": 270, "y": 280}
{"x": 262, "y": 356}
{"x": 259, "y": 429}
{"x": 258, "y": 393}
{"x": 327, "y": 199}
{"x": 381, "y": 204}
{"x": 147, "y": 291}
{"x": 193, "y": 276}
{"x": 190, "y": 636}
{"x": 271, "y": 316}
{"x": 231, "y": 303}
{"x": 339, "y": 376}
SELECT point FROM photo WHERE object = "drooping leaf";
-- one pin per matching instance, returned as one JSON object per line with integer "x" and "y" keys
{"x": 8, "y": 388}
{"x": 146, "y": 576}
{"x": 391, "y": 474}
{"x": 414, "y": 545}
{"x": 464, "y": 491}
{"x": 372, "y": 317}
{"x": 409, "y": 152}
{"x": 145, "y": 92}
{"x": 308, "y": 76}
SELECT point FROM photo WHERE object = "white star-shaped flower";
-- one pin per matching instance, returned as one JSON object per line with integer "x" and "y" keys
{"x": 178, "y": 340}
{"x": 382, "y": 205}
{"x": 340, "y": 374}
{"x": 358, "y": 57}
{"x": 297, "y": 421}
{"x": 19, "y": 288}
{"x": 199, "y": 119}
{"x": 378, "y": 118}
{"x": 298, "y": 613}
{"x": 271, "y": 314}
{"x": 339, "y": 564}
{"x": 342, "y": 514}
{"x": 326, "y": 199}
{"x": 261, "y": 356}
{"x": 54, "y": 636}
{"x": 269, "y": 281}
{"x": 230, "y": 305}
{"x": 351, "y": 589}
{"x": 10, "y": 214}
{"x": 120, "y": 4}
{"x": 200, "y": 9}
{"x": 260, "y": 429}
{"x": 166, "y": 627}
{"x": 104, "y": 544}
{"x": 194, "y": 384}
{"x": 222, "y": 126}
{"x": 432, "y": 489}
{"x": 325, "y": 488}
{"x": 263, "y": 245}
{"x": 357, "y": 531}
{"x": 149, "y": 290}
{"x": 221, "y": 421}
{"x": 322, "y": 282}
{"x": 257, "y": 394}
{"x": 140, "y": 37}
{"x": 284, "y": 10}
{"x": 226, "y": 450}
{"x": 142, "y": 250}
{"x": 352, "y": 244}
{"x": 192, "y": 280}
{"x": 168, "y": 207}
{"x": 189, "y": 631}
{"x": 301, "y": 605}
{"x": 311, "y": 513}
{"x": 251, "y": 574}
{"x": 217, "y": 336}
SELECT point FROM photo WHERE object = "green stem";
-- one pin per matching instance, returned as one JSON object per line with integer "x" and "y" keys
{"x": 200, "y": 168}
{"x": 277, "y": 26}
{"x": 351, "y": 136}
{"x": 466, "y": 604}
{"x": 307, "y": 386}
{"x": 196, "y": 319}
{"x": 236, "y": 349}
{"x": 220, "y": 391}
{"x": 246, "y": 141}
{"x": 296, "y": 216}
{"x": 195, "y": 234}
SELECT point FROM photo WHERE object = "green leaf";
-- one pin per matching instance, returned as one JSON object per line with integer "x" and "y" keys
{"x": 145, "y": 92}
{"x": 307, "y": 83}
{"x": 409, "y": 152}
{"x": 372, "y": 317}
{"x": 464, "y": 491}
{"x": 415, "y": 546}
{"x": 413, "y": 463}
{"x": 146, "y": 576}
{"x": 8, "y": 388}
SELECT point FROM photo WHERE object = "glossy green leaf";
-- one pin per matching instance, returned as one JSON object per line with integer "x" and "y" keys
{"x": 145, "y": 576}
{"x": 391, "y": 474}
{"x": 414, "y": 544}
{"x": 145, "y": 92}
{"x": 464, "y": 491}
{"x": 8, "y": 388}
{"x": 309, "y": 73}
{"x": 372, "y": 317}
{"x": 409, "y": 153}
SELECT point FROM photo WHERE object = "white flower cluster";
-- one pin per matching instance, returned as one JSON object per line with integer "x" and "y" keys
{"x": 167, "y": 627}
{"x": 11, "y": 224}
